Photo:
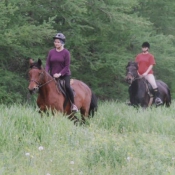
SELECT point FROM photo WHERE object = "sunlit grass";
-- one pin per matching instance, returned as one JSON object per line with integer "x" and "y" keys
{"x": 118, "y": 140}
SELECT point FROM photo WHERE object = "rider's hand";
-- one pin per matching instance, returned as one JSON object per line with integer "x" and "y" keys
{"x": 56, "y": 75}
{"x": 144, "y": 74}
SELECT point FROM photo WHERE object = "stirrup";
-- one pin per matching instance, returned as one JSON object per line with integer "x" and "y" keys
{"x": 74, "y": 108}
{"x": 158, "y": 101}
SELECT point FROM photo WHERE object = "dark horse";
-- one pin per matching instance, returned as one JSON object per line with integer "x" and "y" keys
{"x": 140, "y": 91}
{"x": 51, "y": 97}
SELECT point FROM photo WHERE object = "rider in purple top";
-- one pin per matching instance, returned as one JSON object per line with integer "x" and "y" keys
{"x": 58, "y": 65}
{"x": 58, "y": 62}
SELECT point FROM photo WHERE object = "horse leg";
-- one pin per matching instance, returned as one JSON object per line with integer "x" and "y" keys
{"x": 144, "y": 102}
{"x": 73, "y": 118}
{"x": 42, "y": 109}
{"x": 166, "y": 102}
{"x": 168, "y": 98}
{"x": 150, "y": 101}
{"x": 84, "y": 114}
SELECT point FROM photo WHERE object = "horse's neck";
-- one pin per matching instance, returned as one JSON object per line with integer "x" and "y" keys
{"x": 49, "y": 87}
{"x": 134, "y": 84}
{"x": 138, "y": 85}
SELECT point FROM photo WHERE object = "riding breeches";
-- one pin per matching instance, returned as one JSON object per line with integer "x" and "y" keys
{"x": 68, "y": 88}
{"x": 151, "y": 79}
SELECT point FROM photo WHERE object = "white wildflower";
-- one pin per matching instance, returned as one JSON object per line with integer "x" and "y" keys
{"x": 71, "y": 162}
{"x": 128, "y": 158}
{"x": 41, "y": 148}
{"x": 27, "y": 154}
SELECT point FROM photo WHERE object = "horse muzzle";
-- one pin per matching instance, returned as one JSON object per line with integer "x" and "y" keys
{"x": 129, "y": 80}
{"x": 33, "y": 90}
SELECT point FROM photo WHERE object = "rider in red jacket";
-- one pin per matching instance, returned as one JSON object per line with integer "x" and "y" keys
{"x": 146, "y": 62}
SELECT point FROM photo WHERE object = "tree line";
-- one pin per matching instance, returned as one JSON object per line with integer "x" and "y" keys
{"x": 101, "y": 35}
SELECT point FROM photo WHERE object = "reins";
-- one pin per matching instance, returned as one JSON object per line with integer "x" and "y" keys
{"x": 137, "y": 78}
{"x": 46, "y": 83}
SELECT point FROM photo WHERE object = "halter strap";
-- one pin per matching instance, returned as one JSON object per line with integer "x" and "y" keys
{"x": 135, "y": 77}
{"x": 38, "y": 82}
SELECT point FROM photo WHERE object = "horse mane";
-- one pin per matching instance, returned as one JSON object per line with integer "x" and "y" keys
{"x": 132, "y": 63}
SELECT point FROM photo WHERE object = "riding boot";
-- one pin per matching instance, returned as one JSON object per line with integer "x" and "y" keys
{"x": 158, "y": 100}
{"x": 71, "y": 97}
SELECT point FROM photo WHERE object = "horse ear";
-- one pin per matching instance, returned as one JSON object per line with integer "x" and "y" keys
{"x": 31, "y": 62}
{"x": 39, "y": 62}
{"x": 129, "y": 63}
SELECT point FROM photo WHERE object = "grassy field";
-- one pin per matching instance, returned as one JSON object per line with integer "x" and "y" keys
{"x": 119, "y": 140}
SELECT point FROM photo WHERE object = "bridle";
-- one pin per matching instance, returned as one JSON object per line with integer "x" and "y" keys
{"x": 39, "y": 84}
{"x": 135, "y": 77}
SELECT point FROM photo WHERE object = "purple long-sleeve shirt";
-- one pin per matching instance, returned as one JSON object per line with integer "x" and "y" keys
{"x": 58, "y": 62}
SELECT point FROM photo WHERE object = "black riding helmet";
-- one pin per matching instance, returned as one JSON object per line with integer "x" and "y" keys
{"x": 146, "y": 44}
{"x": 60, "y": 36}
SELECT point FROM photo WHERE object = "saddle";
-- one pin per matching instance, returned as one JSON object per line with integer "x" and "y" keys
{"x": 62, "y": 87}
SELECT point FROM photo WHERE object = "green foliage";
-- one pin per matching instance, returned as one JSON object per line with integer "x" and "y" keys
{"x": 12, "y": 88}
{"x": 102, "y": 37}
{"x": 21, "y": 37}
{"x": 160, "y": 13}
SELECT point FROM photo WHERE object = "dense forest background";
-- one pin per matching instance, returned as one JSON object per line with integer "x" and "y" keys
{"x": 102, "y": 36}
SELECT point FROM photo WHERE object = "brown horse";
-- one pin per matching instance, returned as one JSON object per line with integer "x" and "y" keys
{"x": 50, "y": 95}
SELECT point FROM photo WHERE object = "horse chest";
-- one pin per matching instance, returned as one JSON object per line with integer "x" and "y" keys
{"x": 137, "y": 94}
{"x": 53, "y": 102}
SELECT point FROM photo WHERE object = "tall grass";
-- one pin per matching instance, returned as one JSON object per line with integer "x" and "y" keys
{"x": 118, "y": 140}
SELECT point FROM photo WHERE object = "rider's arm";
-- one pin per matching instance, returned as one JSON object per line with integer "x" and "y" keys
{"x": 147, "y": 71}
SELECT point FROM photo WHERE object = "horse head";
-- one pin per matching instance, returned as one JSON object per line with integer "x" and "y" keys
{"x": 131, "y": 72}
{"x": 35, "y": 75}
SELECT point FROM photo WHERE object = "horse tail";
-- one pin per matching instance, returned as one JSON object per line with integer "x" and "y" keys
{"x": 93, "y": 105}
